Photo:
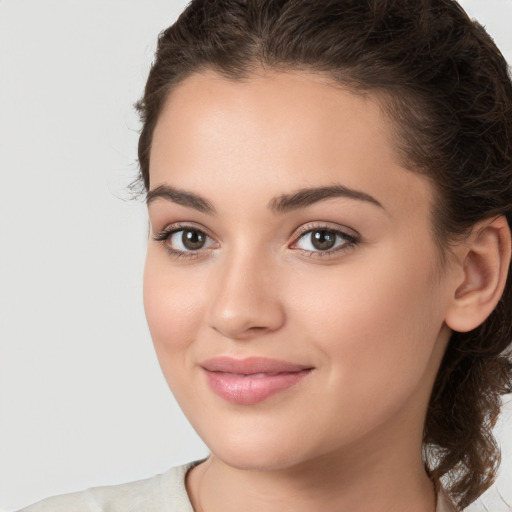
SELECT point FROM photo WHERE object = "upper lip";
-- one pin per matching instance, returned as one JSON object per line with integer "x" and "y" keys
{"x": 251, "y": 365}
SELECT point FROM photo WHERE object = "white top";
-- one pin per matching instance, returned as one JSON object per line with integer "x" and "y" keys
{"x": 161, "y": 493}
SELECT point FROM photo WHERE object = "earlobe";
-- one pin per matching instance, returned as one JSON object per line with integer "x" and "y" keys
{"x": 485, "y": 261}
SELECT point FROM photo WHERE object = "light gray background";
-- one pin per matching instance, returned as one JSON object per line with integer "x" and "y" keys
{"x": 82, "y": 400}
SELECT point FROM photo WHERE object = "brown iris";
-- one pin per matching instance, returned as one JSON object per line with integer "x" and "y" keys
{"x": 193, "y": 240}
{"x": 323, "y": 240}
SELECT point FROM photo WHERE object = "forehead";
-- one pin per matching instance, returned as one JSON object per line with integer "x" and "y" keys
{"x": 279, "y": 130}
{"x": 277, "y": 103}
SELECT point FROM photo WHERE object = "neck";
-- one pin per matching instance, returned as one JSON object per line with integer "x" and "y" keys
{"x": 379, "y": 479}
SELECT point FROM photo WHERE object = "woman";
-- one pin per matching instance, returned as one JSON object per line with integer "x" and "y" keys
{"x": 329, "y": 192}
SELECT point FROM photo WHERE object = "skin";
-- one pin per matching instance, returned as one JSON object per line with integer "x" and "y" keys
{"x": 369, "y": 318}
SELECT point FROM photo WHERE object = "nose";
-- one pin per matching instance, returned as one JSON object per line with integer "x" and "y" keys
{"x": 247, "y": 301}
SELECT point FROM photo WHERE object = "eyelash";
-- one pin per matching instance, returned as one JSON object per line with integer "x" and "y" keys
{"x": 164, "y": 235}
{"x": 351, "y": 240}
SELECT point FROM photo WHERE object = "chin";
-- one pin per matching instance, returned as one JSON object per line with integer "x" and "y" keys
{"x": 263, "y": 453}
{"x": 254, "y": 461}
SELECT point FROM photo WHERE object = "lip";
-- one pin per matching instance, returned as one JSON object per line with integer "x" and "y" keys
{"x": 251, "y": 380}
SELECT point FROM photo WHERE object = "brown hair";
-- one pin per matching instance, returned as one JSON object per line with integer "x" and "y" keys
{"x": 446, "y": 86}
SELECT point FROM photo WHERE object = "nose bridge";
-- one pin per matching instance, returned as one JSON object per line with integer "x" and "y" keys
{"x": 246, "y": 298}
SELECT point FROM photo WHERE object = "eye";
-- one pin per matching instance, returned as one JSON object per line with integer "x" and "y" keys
{"x": 184, "y": 241}
{"x": 324, "y": 241}
{"x": 187, "y": 240}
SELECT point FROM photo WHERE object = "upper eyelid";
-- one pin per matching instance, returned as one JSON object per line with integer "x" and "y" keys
{"x": 182, "y": 226}
{"x": 324, "y": 225}
{"x": 350, "y": 239}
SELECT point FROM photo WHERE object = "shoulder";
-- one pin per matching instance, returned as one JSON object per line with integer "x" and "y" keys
{"x": 162, "y": 493}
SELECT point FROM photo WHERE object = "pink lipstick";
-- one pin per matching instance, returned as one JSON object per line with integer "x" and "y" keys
{"x": 251, "y": 380}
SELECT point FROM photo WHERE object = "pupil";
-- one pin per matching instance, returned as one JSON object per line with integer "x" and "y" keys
{"x": 323, "y": 240}
{"x": 193, "y": 240}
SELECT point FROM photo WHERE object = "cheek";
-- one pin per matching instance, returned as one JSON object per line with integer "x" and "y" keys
{"x": 173, "y": 307}
{"x": 379, "y": 319}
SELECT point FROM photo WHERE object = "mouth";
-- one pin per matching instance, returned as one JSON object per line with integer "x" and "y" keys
{"x": 251, "y": 380}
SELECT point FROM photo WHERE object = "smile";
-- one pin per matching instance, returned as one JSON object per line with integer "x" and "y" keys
{"x": 252, "y": 380}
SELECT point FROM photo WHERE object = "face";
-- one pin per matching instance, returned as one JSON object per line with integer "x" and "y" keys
{"x": 292, "y": 282}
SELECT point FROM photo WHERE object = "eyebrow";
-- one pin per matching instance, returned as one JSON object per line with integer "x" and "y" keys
{"x": 181, "y": 197}
{"x": 308, "y": 196}
{"x": 281, "y": 204}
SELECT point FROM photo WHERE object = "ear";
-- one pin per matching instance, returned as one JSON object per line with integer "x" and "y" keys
{"x": 484, "y": 260}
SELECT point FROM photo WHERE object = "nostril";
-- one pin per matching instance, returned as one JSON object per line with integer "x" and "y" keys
{"x": 240, "y": 332}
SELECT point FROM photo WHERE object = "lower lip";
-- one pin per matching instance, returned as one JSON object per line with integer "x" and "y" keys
{"x": 251, "y": 389}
